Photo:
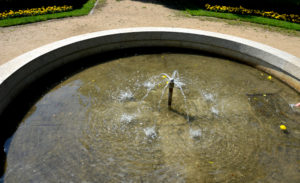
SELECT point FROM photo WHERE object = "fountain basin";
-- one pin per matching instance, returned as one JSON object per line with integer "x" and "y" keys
{"x": 25, "y": 69}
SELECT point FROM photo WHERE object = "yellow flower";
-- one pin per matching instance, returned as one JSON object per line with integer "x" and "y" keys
{"x": 283, "y": 127}
{"x": 242, "y": 10}
{"x": 269, "y": 77}
{"x": 35, "y": 11}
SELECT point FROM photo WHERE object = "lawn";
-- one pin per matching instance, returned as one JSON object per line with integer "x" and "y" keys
{"x": 87, "y": 7}
{"x": 187, "y": 7}
{"x": 246, "y": 18}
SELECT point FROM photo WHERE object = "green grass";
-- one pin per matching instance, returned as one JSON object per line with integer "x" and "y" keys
{"x": 246, "y": 18}
{"x": 194, "y": 12}
{"x": 87, "y": 7}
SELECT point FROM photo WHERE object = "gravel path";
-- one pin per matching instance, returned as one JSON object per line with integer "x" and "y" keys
{"x": 114, "y": 14}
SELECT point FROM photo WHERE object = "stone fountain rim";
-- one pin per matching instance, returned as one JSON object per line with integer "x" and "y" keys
{"x": 16, "y": 74}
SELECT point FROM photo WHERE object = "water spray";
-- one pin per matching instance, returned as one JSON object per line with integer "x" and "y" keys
{"x": 171, "y": 83}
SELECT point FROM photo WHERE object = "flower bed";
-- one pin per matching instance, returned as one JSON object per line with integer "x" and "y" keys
{"x": 35, "y": 11}
{"x": 244, "y": 11}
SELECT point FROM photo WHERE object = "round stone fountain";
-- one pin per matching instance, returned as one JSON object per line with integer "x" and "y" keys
{"x": 111, "y": 121}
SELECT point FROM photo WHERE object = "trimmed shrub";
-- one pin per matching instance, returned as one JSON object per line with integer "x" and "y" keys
{"x": 21, "y": 4}
{"x": 280, "y": 6}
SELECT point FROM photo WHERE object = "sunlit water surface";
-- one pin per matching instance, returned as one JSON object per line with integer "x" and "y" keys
{"x": 95, "y": 127}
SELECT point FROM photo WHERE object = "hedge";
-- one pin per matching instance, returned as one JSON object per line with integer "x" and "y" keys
{"x": 280, "y": 6}
{"x": 6, "y": 5}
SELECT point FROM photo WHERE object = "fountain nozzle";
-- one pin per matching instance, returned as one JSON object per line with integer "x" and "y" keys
{"x": 171, "y": 86}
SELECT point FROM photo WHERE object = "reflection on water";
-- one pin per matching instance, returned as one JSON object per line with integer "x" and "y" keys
{"x": 98, "y": 126}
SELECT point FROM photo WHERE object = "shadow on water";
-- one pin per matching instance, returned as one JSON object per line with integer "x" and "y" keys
{"x": 17, "y": 109}
{"x": 186, "y": 116}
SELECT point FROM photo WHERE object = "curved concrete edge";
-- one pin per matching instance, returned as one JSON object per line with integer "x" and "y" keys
{"x": 25, "y": 69}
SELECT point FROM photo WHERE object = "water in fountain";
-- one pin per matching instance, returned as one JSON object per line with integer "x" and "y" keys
{"x": 104, "y": 124}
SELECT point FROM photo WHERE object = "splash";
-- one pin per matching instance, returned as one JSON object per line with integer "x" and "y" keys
{"x": 214, "y": 110}
{"x": 125, "y": 95}
{"x": 208, "y": 96}
{"x": 194, "y": 133}
{"x": 150, "y": 132}
{"x": 150, "y": 86}
{"x": 127, "y": 118}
